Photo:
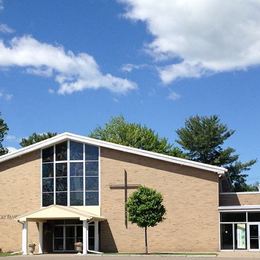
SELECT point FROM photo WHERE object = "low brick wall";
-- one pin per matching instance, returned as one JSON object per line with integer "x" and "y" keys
{"x": 239, "y": 198}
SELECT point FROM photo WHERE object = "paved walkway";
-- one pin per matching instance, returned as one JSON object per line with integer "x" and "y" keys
{"x": 222, "y": 256}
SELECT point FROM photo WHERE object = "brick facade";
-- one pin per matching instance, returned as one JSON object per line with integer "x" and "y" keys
{"x": 239, "y": 199}
{"x": 19, "y": 193}
{"x": 190, "y": 197}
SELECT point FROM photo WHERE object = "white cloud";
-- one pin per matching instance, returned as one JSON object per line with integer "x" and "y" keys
{"x": 5, "y": 96}
{"x": 4, "y": 28}
{"x": 12, "y": 138}
{"x": 129, "y": 67}
{"x": 11, "y": 149}
{"x": 174, "y": 96}
{"x": 72, "y": 72}
{"x": 200, "y": 36}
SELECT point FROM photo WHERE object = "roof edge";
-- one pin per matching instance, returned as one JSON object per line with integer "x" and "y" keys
{"x": 66, "y": 135}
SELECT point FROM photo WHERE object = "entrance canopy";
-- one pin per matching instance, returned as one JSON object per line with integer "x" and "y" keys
{"x": 59, "y": 212}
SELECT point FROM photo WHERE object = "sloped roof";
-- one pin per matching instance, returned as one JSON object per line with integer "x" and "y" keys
{"x": 78, "y": 138}
{"x": 59, "y": 212}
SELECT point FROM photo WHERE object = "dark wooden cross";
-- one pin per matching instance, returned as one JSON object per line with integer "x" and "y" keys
{"x": 125, "y": 186}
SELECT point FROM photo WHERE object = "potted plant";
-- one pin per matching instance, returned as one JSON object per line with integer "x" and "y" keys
{"x": 31, "y": 248}
{"x": 78, "y": 247}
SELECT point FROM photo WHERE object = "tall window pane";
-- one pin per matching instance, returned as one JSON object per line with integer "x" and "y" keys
{"x": 76, "y": 169}
{"x": 47, "y": 170}
{"x": 61, "y": 198}
{"x": 47, "y": 185}
{"x": 61, "y": 169}
{"x": 76, "y": 151}
{"x": 47, "y": 154}
{"x": 76, "y": 198}
{"x": 91, "y": 198}
{"x": 91, "y": 168}
{"x": 91, "y": 152}
{"x": 61, "y": 151}
{"x": 47, "y": 199}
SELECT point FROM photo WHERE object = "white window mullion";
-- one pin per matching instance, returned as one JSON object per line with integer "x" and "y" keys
{"x": 68, "y": 173}
{"x": 84, "y": 176}
{"x": 54, "y": 175}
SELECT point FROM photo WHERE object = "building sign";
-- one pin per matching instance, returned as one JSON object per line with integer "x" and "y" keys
{"x": 8, "y": 216}
{"x": 241, "y": 236}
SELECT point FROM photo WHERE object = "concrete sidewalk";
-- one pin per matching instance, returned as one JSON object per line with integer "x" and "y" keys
{"x": 221, "y": 256}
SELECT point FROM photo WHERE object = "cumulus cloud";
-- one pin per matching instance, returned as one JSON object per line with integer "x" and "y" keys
{"x": 200, "y": 36}
{"x": 72, "y": 72}
{"x": 174, "y": 96}
{"x": 4, "y": 28}
{"x": 5, "y": 96}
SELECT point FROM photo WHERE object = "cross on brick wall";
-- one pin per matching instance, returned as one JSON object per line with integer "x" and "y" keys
{"x": 125, "y": 186}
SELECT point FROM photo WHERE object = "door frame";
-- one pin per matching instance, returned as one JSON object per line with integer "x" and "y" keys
{"x": 248, "y": 235}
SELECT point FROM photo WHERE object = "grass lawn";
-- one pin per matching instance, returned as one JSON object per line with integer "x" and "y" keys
{"x": 7, "y": 254}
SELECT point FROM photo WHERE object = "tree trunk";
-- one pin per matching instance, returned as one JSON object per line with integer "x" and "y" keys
{"x": 145, "y": 239}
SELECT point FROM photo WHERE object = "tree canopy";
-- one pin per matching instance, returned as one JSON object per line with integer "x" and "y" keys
{"x": 3, "y": 132}
{"x": 145, "y": 208}
{"x": 203, "y": 139}
{"x": 35, "y": 138}
{"x": 119, "y": 131}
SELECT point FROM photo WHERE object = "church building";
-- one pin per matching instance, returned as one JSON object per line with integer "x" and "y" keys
{"x": 72, "y": 188}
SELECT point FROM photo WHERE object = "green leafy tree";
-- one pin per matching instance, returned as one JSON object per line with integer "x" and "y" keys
{"x": 145, "y": 209}
{"x": 203, "y": 138}
{"x": 3, "y": 132}
{"x": 119, "y": 131}
{"x": 35, "y": 138}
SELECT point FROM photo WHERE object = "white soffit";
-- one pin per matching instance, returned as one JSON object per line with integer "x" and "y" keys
{"x": 69, "y": 136}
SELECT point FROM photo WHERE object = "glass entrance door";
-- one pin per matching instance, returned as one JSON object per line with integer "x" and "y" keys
{"x": 65, "y": 236}
{"x": 254, "y": 236}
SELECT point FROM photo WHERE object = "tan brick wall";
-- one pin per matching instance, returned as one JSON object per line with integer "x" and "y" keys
{"x": 19, "y": 194}
{"x": 237, "y": 199}
{"x": 190, "y": 197}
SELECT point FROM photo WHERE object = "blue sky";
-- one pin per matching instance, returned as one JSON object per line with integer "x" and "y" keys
{"x": 157, "y": 72}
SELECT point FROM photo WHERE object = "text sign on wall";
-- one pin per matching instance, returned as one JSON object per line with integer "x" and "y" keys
{"x": 8, "y": 216}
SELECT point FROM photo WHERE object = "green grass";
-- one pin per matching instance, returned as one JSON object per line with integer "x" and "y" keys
{"x": 7, "y": 254}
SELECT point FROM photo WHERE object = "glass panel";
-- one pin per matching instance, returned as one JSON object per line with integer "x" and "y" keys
{"x": 91, "y": 231}
{"x": 79, "y": 232}
{"x": 61, "y": 152}
{"x": 76, "y": 198}
{"x": 91, "y": 183}
{"x": 76, "y": 169}
{"x": 226, "y": 236}
{"x": 76, "y": 184}
{"x": 47, "y": 185}
{"x": 91, "y": 243}
{"x": 91, "y": 152}
{"x": 91, "y": 168}
{"x": 58, "y": 244}
{"x": 254, "y": 216}
{"x": 47, "y": 170}
{"x": 91, "y": 198}
{"x": 61, "y": 198}
{"x": 47, "y": 154}
{"x": 61, "y": 169}
{"x": 73, "y": 221}
{"x": 70, "y": 231}
{"x": 47, "y": 199}
{"x": 240, "y": 236}
{"x": 70, "y": 244}
{"x": 233, "y": 217}
{"x": 254, "y": 240}
{"x": 58, "y": 231}
{"x": 61, "y": 184}
{"x": 76, "y": 151}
